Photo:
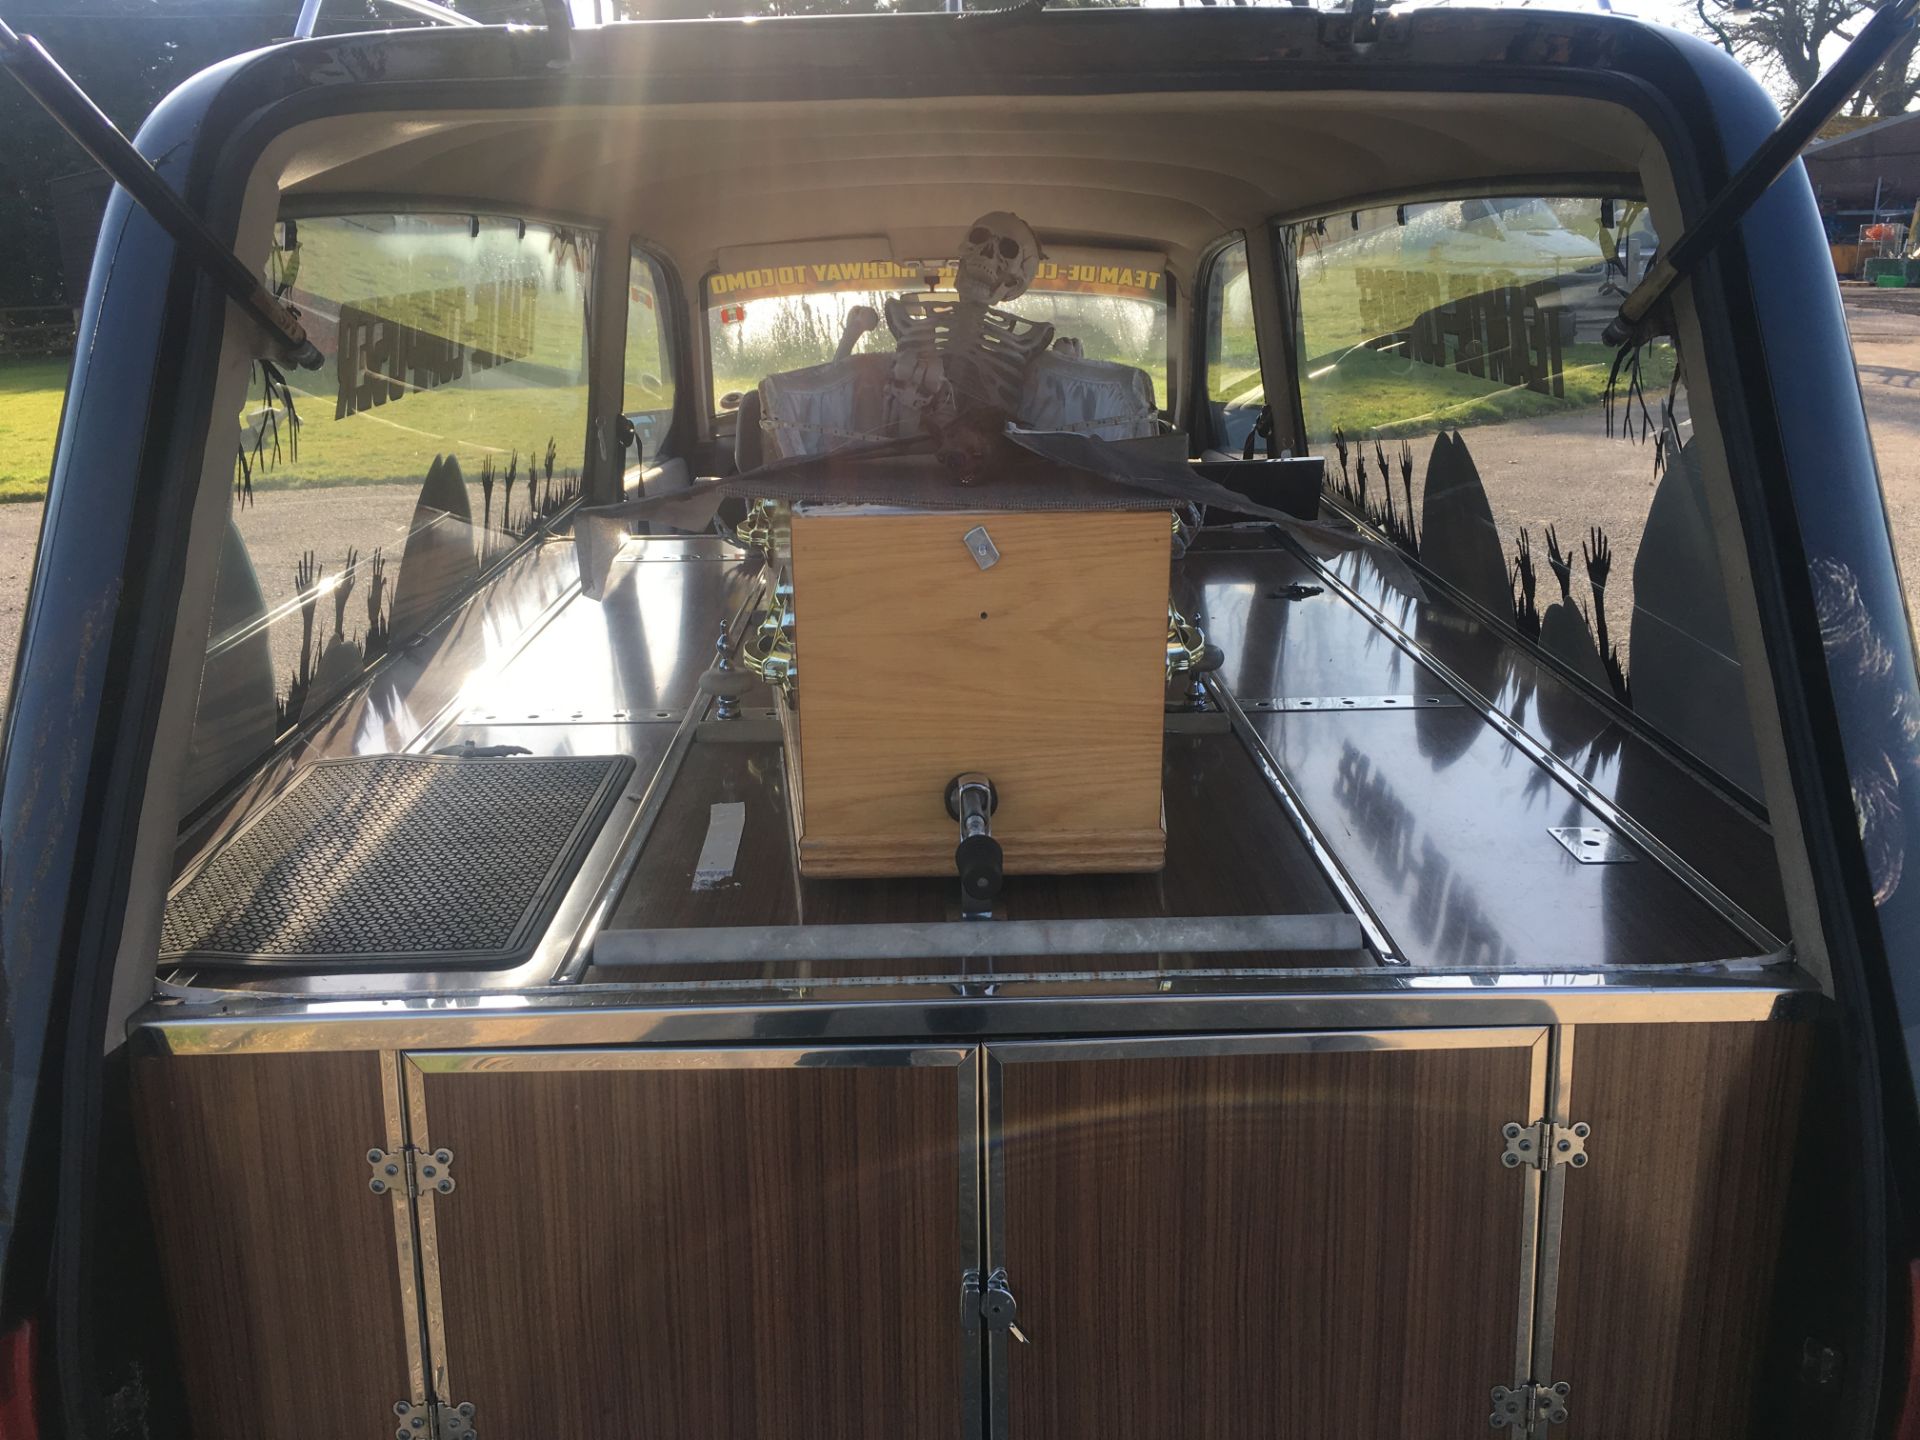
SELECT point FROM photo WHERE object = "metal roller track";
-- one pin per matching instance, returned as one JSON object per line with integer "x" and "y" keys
{"x": 1335, "y": 874}
{"x": 976, "y": 940}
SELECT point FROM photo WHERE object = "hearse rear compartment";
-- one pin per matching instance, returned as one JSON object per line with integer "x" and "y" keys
{"x": 994, "y": 727}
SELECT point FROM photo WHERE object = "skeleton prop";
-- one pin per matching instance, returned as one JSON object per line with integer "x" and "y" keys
{"x": 957, "y": 354}
{"x": 962, "y": 369}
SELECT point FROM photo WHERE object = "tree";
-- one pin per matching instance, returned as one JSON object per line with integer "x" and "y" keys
{"x": 1785, "y": 41}
{"x": 127, "y": 54}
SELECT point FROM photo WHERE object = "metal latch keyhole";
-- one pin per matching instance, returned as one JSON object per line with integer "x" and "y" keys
{"x": 1001, "y": 1311}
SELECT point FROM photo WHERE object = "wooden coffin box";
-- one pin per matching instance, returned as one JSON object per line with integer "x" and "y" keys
{"x": 1044, "y": 670}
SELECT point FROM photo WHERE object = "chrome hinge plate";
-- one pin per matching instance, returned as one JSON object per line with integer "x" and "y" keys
{"x": 412, "y": 1168}
{"x": 430, "y": 1420}
{"x": 1544, "y": 1145}
{"x": 1524, "y": 1408}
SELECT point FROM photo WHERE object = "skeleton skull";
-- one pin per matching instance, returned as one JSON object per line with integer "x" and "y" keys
{"x": 997, "y": 259}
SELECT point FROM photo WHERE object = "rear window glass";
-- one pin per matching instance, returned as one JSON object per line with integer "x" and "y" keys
{"x": 1452, "y": 371}
{"x": 447, "y": 424}
{"x": 772, "y": 317}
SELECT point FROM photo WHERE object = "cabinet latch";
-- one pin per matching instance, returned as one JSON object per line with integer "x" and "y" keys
{"x": 991, "y": 1305}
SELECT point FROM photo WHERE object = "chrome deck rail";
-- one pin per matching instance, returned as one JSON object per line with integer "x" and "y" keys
{"x": 977, "y": 939}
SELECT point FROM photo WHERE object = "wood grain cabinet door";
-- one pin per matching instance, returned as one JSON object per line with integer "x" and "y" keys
{"x": 1260, "y": 1237}
{"x": 280, "y": 1265}
{"x": 705, "y": 1245}
{"x": 1674, "y": 1233}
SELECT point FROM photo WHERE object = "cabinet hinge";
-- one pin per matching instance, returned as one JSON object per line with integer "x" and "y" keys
{"x": 416, "y": 1169}
{"x": 1525, "y": 1408}
{"x": 431, "y": 1420}
{"x": 1544, "y": 1145}
{"x": 990, "y": 1305}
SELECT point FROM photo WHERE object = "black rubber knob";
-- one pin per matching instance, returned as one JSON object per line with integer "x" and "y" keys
{"x": 980, "y": 863}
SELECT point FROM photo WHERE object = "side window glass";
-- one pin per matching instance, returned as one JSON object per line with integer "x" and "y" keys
{"x": 1453, "y": 373}
{"x": 648, "y": 394}
{"x": 1235, "y": 391}
{"x": 36, "y": 353}
{"x": 447, "y": 424}
{"x": 814, "y": 305}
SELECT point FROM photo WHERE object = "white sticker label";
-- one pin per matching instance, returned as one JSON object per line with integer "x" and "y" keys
{"x": 725, "y": 824}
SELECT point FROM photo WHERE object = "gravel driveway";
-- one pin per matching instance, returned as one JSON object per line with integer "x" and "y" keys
{"x": 279, "y": 527}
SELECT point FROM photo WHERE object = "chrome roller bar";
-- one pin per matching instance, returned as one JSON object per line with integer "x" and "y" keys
{"x": 976, "y": 940}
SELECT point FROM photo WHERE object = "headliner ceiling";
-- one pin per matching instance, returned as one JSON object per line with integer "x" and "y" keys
{"x": 1164, "y": 171}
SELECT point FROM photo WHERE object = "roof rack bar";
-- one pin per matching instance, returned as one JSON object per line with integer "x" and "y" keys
{"x": 304, "y": 27}
{"x": 67, "y": 103}
{"x": 1888, "y": 26}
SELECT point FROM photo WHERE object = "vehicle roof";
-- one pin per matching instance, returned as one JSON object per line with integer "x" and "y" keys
{"x": 1144, "y": 129}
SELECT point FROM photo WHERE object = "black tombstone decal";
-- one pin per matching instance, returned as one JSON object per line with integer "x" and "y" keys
{"x": 1458, "y": 540}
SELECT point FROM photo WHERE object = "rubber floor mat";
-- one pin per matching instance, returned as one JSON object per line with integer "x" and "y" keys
{"x": 385, "y": 862}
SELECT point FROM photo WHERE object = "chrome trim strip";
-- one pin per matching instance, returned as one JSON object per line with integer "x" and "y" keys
{"x": 477, "y": 717}
{"x": 972, "y": 1140}
{"x": 405, "y": 1238}
{"x": 433, "y": 1305}
{"x": 745, "y": 1057}
{"x": 998, "y": 1346}
{"x": 976, "y": 939}
{"x": 1312, "y": 1042}
{"x": 575, "y": 946}
{"x": 597, "y": 1015}
{"x": 1336, "y": 874}
{"x": 1526, "y": 1315}
{"x": 1542, "y": 755}
{"x": 1558, "y": 1108}
{"x": 1272, "y": 704}
{"x": 1243, "y": 980}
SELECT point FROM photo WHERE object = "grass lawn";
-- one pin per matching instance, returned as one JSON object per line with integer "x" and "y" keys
{"x": 30, "y": 395}
{"x": 398, "y": 440}
{"x": 1372, "y": 392}
{"x": 394, "y": 442}
{"x": 1366, "y": 392}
